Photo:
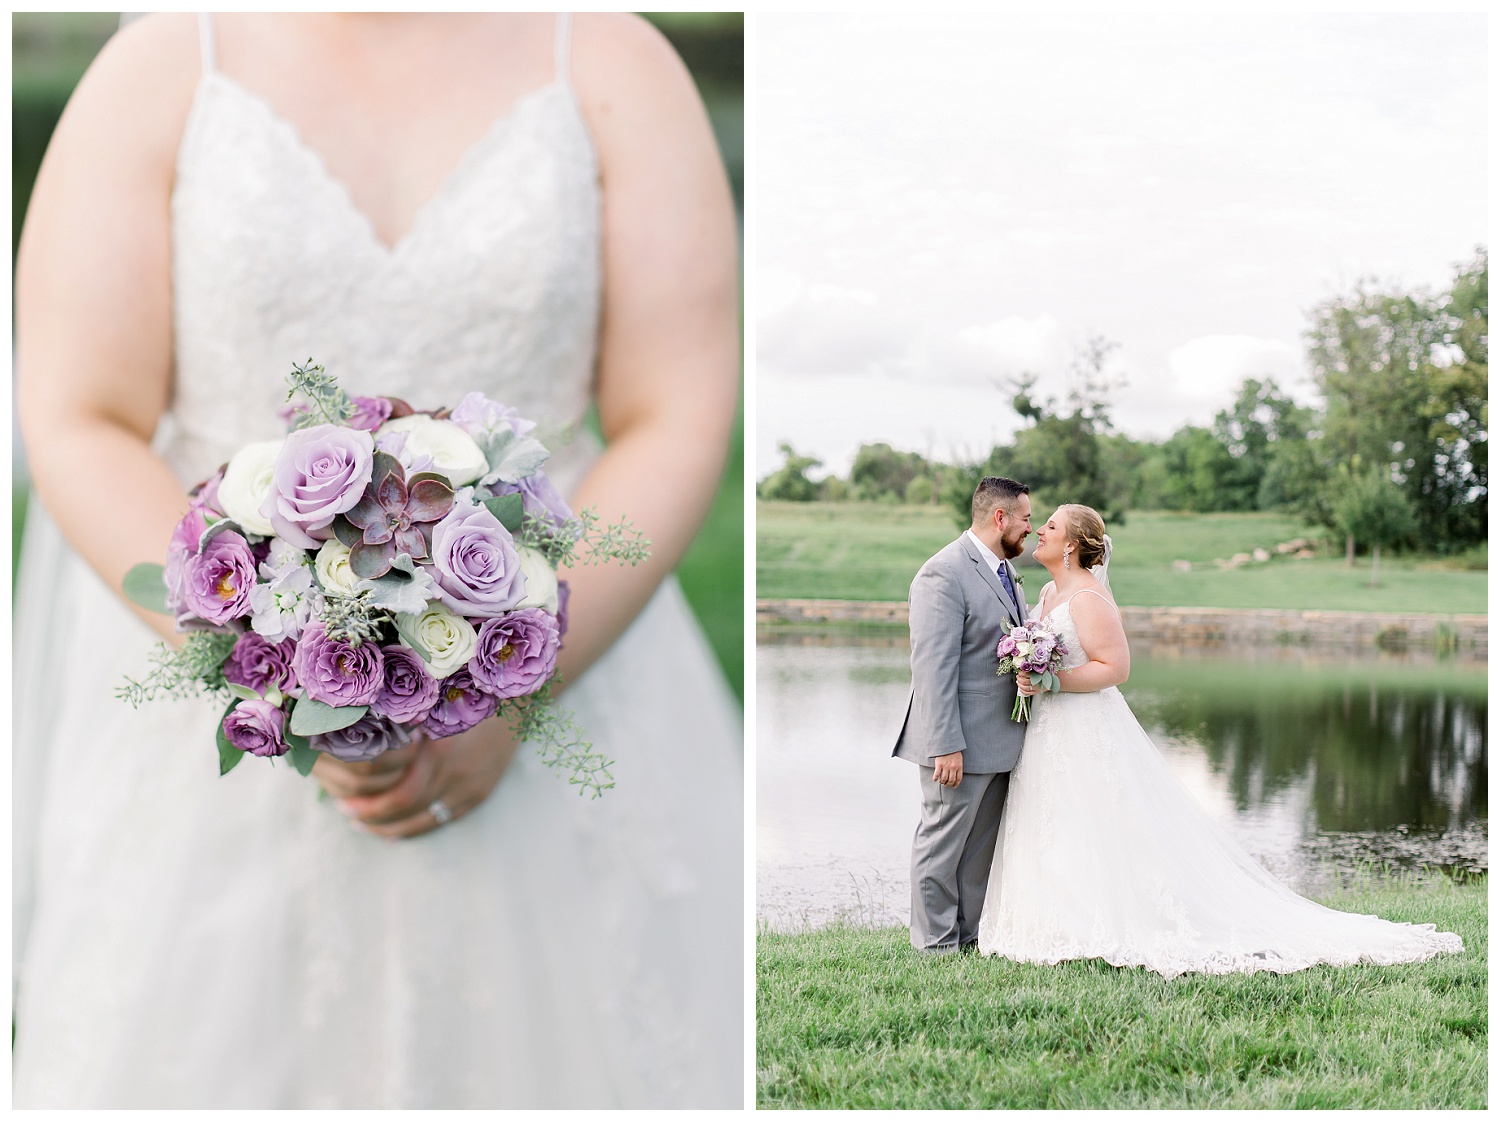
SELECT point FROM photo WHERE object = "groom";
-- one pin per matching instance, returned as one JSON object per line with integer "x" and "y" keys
{"x": 958, "y": 729}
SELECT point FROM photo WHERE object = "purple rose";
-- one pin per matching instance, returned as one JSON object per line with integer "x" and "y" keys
{"x": 184, "y": 544}
{"x": 516, "y": 653}
{"x": 563, "y": 592}
{"x": 337, "y": 673}
{"x": 475, "y": 564}
{"x": 205, "y": 496}
{"x": 216, "y": 583}
{"x": 538, "y": 497}
{"x": 259, "y": 664}
{"x": 1006, "y": 648}
{"x": 256, "y": 727}
{"x": 321, "y": 472}
{"x": 409, "y": 692}
{"x": 478, "y": 416}
{"x": 370, "y": 413}
{"x": 461, "y": 705}
{"x": 365, "y": 739}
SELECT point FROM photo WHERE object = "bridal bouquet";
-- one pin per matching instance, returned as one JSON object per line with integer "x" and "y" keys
{"x": 1036, "y": 649}
{"x": 376, "y": 575}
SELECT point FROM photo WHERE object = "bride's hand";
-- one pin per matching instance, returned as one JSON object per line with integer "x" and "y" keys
{"x": 1024, "y": 685}
{"x": 460, "y": 770}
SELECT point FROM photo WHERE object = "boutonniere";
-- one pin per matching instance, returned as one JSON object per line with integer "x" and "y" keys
{"x": 1019, "y": 578}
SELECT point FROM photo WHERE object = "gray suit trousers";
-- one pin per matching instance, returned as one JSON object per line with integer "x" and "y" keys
{"x": 950, "y": 858}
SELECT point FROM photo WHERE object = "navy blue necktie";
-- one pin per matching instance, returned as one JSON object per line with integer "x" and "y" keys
{"x": 1004, "y": 571}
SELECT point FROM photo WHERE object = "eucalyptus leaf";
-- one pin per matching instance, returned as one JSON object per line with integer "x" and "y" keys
{"x": 145, "y": 585}
{"x": 309, "y": 717}
{"x": 229, "y": 755}
{"x": 216, "y": 529}
{"x": 244, "y": 693}
{"x": 509, "y": 510}
{"x": 511, "y": 458}
{"x": 302, "y": 756}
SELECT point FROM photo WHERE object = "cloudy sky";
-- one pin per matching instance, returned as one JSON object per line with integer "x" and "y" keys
{"x": 946, "y": 202}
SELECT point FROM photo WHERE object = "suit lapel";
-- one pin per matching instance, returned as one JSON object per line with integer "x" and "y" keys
{"x": 993, "y": 579}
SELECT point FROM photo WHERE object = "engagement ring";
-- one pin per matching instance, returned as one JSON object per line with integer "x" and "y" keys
{"x": 439, "y": 811}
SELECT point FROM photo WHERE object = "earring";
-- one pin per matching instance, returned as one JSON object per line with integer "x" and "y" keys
{"x": 1066, "y": 554}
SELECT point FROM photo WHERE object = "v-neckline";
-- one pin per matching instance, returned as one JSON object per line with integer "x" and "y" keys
{"x": 471, "y": 156}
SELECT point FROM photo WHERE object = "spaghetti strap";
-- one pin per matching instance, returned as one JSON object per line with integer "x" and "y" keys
{"x": 206, "y": 40}
{"x": 561, "y": 46}
{"x": 1095, "y": 592}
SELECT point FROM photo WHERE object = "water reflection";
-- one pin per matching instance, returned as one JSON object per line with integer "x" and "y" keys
{"x": 1317, "y": 764}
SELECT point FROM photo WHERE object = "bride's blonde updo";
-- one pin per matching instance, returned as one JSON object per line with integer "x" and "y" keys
{"x": 1086, "y": 532}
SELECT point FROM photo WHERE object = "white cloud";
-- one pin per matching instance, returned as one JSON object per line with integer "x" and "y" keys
{"x": 1206, "y": 371}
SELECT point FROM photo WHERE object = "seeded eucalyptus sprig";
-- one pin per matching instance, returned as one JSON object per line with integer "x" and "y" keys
{"x": 197, "y": 668}
{"x": 582, "y": 542}
{"x": 350, "y": 618}
{"x": 327, "y": 404}
{"x": 560, "y": 742}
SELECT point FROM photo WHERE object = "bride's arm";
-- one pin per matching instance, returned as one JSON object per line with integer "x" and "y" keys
{"x": 669, "y": 351}
{"x": 93, "y": 303}
{"x": 1103, "y": 638}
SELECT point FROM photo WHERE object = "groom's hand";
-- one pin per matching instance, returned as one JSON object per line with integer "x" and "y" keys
{"x": 948, "y": 770}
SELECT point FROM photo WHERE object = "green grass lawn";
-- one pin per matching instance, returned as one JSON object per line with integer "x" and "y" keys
{"x": 868, "y": 551}
{"x": 854, "y": 1019}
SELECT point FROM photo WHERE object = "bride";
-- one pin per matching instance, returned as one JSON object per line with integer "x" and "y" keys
{"x": 426, "y": 204}
{"x": 1102, "y": 854}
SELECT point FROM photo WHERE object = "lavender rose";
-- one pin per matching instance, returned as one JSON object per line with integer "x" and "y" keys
{"x": 216, "y": 583}
{"x": 476, "y": 567}
{"x": 257, "y": 727}
{"x": 516, "y": 653}
{"x": 321, "y": 472}
{"x": 461, "y": 705}
{"x": 337, "y": 673}
{"x": 370, "y": 413}
{"x": 409, "y": 692}
{"x": 481, "y": 417}
{"x": 365, "y": 739}
{"x": 539, "y": 498}
{"x": 184, "y": 544}
{"x": 261, "y": 665}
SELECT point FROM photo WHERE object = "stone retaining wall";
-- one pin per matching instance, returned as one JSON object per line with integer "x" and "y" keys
{"x": 1393, "y": 631}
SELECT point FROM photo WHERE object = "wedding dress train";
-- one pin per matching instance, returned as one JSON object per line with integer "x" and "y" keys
{"x": 1103, "y": 854}
{"x": 184, "y": 940}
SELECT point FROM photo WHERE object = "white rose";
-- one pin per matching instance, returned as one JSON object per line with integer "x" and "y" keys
{"x": 333, "y": 569}
{"x": 453, "y": 451}
{"x": 247, "y": 481}
{"x": 448, "y": 640}
{"x": 541, "y": 581}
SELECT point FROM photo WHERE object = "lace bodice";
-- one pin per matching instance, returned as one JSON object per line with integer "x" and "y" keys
{"x": 496, "y": 287}
{"x": 1060, "y": 620}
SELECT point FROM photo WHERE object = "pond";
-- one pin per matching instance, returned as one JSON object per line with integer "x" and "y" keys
{"x": 1322, "y": 764}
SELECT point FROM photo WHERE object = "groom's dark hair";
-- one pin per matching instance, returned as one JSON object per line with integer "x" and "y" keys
{"x": 993, "y": 491}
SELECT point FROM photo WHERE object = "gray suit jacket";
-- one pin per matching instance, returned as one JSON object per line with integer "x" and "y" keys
{"x": 959, "y": 611}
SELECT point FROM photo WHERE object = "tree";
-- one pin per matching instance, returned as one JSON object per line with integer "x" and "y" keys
{"x": 789, "y": 482}
{"x": 1373, "y": 509}
{"x": 1196, "y": 466}
{"x": 1060, "y": 453}
{"x": 880, "y": 470}
{"x": 1251, "y": 430}
{"x": 1404, "y": 375}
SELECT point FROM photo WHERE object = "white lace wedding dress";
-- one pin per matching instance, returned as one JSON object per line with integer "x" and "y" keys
{"x": 1104, "y": 854}
{"x": 184, "y": 940}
